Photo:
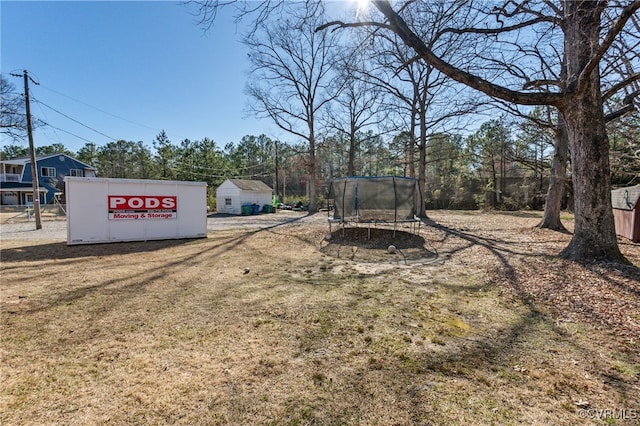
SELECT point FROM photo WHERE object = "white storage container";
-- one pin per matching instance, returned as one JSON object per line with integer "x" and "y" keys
{"x": 101, "y": 210}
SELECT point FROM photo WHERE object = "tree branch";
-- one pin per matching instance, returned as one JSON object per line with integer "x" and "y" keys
{"x": 493, "y": 31}
{"x": 625, "y": 15}
{"x": 619, "y": 113}
{"x": 618, "y": 86}
{"x": 631, "y": 97}
{"x": 399, "y": 26}
{"x": 536, "y": 84}
{"x": 340, "y": 24}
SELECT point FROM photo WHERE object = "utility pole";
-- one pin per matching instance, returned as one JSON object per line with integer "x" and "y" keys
{"x": 32, "y": 151}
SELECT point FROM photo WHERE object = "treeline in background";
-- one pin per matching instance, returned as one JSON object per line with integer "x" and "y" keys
{"x": 502, "y": 165}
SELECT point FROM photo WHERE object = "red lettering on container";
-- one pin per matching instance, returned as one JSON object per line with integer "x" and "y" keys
{"x": 142, "y": 202}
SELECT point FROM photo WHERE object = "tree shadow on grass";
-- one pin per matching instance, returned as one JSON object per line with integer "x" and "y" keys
{"x": 412, "y": 379}
{"x": 203, "y": 249}
{"x": 495, "y": 353}
{"x": 61, "y": 251}
{"x": 519, "y": 213}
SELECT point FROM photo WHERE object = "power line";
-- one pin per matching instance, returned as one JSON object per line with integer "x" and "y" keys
{"x": 188, "y": 164}
{"x": 42, "y": 123}
{"x": 98, "y": 109}
{"x": 108, "y": 113}
{"x": 67, "y": 132}
{"x": 76, "y": 121}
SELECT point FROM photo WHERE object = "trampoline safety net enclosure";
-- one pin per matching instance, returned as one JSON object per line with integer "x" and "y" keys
{"x": 374, "y": 199}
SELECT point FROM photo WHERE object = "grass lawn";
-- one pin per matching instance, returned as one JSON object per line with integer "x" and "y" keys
{"x": 473, "y": 322}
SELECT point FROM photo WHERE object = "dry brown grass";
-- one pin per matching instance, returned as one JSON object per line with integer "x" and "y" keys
{"x": 476, "y": 324}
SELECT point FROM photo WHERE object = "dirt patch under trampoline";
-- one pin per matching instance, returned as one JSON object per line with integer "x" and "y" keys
{"x": 377, "y": 245}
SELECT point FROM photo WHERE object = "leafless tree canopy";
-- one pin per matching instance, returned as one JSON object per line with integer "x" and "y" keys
{"x": 572, "y": 55}
{"x": 292, "y": 70}
{"x": 13, "y": 121}
{"x": 543, "y": 53}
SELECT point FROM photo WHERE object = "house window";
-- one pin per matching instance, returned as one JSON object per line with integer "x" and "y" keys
{"x": 227, "y": 201}
{"x": 48, "y": 171}
{"x": 29, "y": 198}
{"x": 76, "y": 172}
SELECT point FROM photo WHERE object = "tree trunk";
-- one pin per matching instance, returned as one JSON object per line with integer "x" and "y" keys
{"x": 412, "y": 145}
{"x": 594, "y": 234}
{"x": 313, "y": 203}
{"x": 557, "y": 180}
{"x": 503, "y": 175}
{"x": 351, "y": 165}
{"x": 422, "y": 162}
{"x": 494, "y": 184}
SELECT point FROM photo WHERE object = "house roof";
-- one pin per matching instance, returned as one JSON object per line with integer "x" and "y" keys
{"x": 19, "y": 186}
{"x": 625, "y": 198}
{"x": 24, "y": 160}
{"x": 250, "y": 185}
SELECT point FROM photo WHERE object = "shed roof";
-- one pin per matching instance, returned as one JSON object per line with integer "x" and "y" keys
{"x": 625, "y": 198}
{"x": 250, "y": 185}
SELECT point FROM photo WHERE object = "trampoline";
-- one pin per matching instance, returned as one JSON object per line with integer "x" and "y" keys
{"x": 374, "y": 200}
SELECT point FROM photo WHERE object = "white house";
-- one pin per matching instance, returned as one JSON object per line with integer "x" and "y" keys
{"x": 232, "y": 194}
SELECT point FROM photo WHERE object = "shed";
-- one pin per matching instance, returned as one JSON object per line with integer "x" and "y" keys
{"x": 232, "y": 194}
{"x": 626, "y": 212}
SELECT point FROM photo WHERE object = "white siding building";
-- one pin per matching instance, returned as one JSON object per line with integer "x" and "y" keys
{"x": 232, "y": 194}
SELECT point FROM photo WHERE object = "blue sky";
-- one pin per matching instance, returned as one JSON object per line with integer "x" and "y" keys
{"x": 146, "y": 62}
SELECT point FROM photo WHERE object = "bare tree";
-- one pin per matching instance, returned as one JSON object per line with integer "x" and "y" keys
{"x": 572, "y": 37}
{"x": 292, "y": 68}
{"x": 624, "y": 79}
{"x": 576, "y": 92}
{"x": 420, "y": 99}
{"x": 552, "y": 123}
{"x": 357, "y": 106}
{"x": 557, "y": 179}
{"x": 13, "y": 122}
{"x": 619, "y": 74}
